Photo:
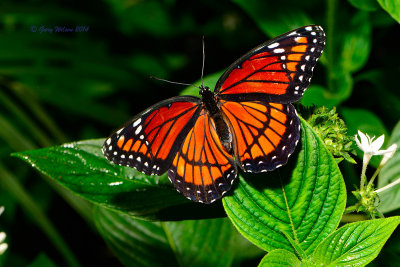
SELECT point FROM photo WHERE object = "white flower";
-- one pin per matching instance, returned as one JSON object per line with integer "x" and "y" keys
{"x": 371, "y": 147}
{"x": 3, "y": 246}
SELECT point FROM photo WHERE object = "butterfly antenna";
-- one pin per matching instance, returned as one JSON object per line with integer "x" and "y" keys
{"x": 202, "y": 68}
{"x": 187, "y": 84}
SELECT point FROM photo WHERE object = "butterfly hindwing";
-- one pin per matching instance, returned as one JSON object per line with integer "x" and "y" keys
{"x": 266, "y": 134}
{"x": 150, "y": 140}
{"x": 202, "y": 170}
{"x": 277, "y": 71}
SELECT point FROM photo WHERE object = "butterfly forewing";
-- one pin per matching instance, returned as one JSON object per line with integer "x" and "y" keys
{"x": 150, "y": 141}
{"x": 202, "y": 170}
{"x": 265, "y": 133}
{"x": 277, "y": 71}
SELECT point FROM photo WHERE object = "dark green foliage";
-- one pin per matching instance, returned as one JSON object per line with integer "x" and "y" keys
{"x": 61, "y": 87}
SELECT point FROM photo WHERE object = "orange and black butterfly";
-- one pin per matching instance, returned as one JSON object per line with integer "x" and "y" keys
{"x": 248, "y": 121}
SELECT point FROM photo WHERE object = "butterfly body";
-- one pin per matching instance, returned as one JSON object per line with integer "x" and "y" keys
{"x": 248, "y": 121}
{"x": 210, "y": 103}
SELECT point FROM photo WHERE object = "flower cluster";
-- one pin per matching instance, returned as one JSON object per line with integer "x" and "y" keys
{"x": 367, "y": 195}
{"x": 333, "y": 132}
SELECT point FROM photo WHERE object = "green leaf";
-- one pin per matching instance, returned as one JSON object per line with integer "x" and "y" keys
{"x": 304, "y": 199}
{"x": 280, "y": 257}
{"x": 134, "y": 242}
{"x": 355, "y": 244}
{"x": 277, "y": 22}
{"x": 356, "y": 43}
{"x": 366, "y": 5}
{"x": 202, "y": 242}
{"x": 390, "y": 199}
{"x": 392, "y": 7}
{"x": 143, "y": 243}
{"x": 82, "y": 168}
{"x": 317, "y": 95}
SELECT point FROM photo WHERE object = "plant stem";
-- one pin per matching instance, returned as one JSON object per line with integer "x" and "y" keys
{"x": 11, "y": 184}
{"x": 346, "y": 218}
{"x": 366, "y": 160}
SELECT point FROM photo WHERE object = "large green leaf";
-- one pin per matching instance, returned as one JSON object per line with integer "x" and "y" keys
{"x": 143, "y": 243}
{"x": 355, "y": 244}
{"x": 280, "y": 257}
{"x": 82, "y": 168}
{"x": 304, "y": 199}
{"x": 392, "y": 7}
{"x": 390, "y": 199}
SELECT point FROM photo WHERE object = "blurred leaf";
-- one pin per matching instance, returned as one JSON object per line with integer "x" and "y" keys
{"x": 392, "y": 7}
{"x": 317, "y": 95}
{"x": 148, "y": 65}
{"x": 134, "y": 242}
{"x": 367, "y": 122}
{"x": 94, "y": 178}
{"x": 194, "y": 243}
{"x": 390, "y": 199}
{"x": 277, "y": 22}
{"x": 366, "y": 5}
{"x": 42, "y": 261}
{"x": 264, "y": 209}
{"x": 356, "y": 43}
{"x": 202, "y": 242}
{"x": 280, "y": 257}
{"x": 355, "y": 243}
{"x": 149, "y": 16}
{"x": 14, "y": 138}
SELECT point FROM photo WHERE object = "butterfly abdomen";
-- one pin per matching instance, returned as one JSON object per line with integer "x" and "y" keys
{"x": 219, "y": 123}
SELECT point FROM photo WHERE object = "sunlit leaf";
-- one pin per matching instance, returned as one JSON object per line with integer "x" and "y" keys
{"x": 82, "y": 168}
{"x": 304, "y": 199}
{"x": 355, "y": 244}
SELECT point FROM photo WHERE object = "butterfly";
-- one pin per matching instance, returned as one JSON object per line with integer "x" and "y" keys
{"x": 247, "y": 122}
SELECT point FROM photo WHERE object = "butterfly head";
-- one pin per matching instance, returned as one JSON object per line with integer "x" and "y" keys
{"x": 204, "y": 90}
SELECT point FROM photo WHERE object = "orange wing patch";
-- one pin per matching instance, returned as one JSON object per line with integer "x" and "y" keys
{"x": 280, "y": 69}
{"x": 150, "y": 141}
{"x": 202, "y": 170}
{"x": 266, "y": 134}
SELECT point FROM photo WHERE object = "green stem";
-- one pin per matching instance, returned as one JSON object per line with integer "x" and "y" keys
{"x": 11, "y": 184}
{"x": 363, "y": 182}
{"x": 346, "y": 218}
{"x": 371, "y": 182}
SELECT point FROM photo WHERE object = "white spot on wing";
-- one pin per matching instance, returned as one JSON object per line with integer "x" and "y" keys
{"x": 138, "y": 130}
{"x": 279, "y": 50}
{"x": 136, "y": 123}
{"x": 273, "y": 45}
